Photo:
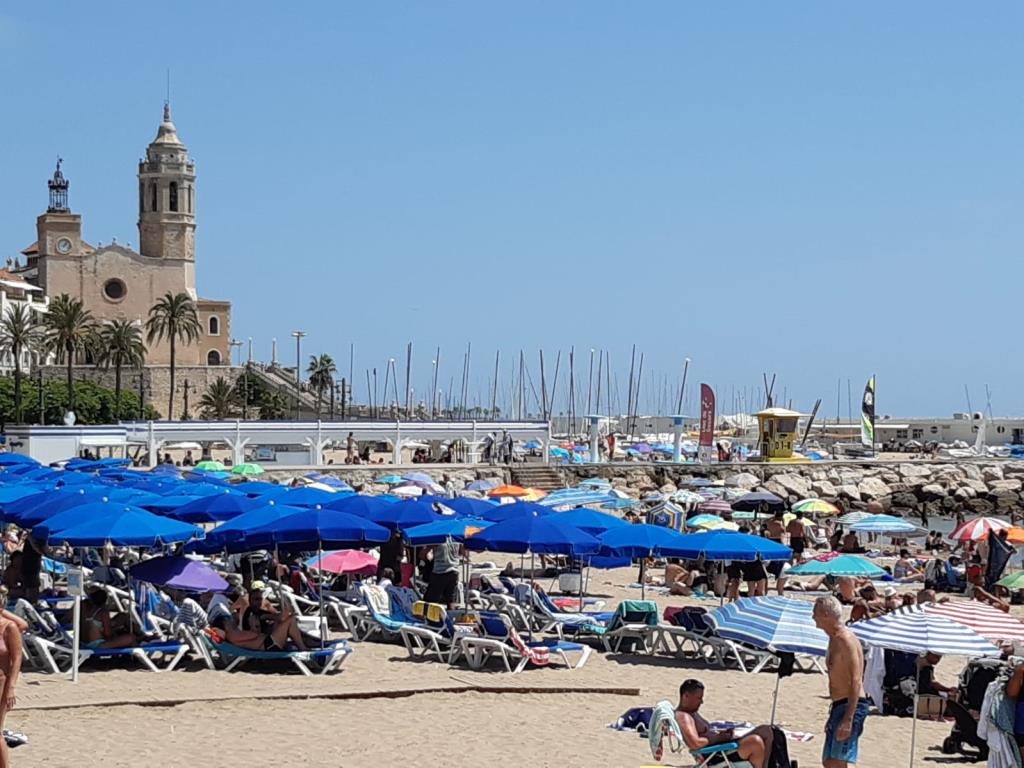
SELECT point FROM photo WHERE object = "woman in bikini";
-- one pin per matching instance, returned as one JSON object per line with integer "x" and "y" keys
{"x": 96, "y": 627}
{"x": 10, "y": 667}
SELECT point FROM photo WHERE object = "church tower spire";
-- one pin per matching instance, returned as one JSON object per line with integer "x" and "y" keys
{"x": 58, "y": 191}
{"x": 167, "y": 180}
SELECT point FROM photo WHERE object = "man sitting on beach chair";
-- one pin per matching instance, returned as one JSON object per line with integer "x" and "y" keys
{"x": 755, "y": 747}
{"x": 284, "y": 628}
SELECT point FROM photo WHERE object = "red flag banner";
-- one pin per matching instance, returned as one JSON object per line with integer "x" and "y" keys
{"x": 707, "y": 415}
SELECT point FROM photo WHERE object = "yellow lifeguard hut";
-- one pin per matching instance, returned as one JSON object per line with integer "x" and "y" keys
{"x": 778, "y": 429}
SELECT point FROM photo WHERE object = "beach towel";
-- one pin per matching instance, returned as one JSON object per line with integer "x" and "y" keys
{"x": 663, "y": 725}
{"x": 538, "y": 655}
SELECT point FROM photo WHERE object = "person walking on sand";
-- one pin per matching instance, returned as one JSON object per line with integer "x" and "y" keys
{"x": 845, "y": 662}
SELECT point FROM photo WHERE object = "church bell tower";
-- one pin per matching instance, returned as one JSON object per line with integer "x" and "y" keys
{"x": 167, "y": 182}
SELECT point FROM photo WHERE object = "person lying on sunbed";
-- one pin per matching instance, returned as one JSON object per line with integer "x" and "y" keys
{"x": 284, "y": 628}
{"x": 754, "y": 747}
{"x": 99, "y": 629}
{"x": 868, "y": 605}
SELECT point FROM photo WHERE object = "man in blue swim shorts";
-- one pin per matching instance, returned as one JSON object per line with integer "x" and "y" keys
{"x": 849, "y": 708}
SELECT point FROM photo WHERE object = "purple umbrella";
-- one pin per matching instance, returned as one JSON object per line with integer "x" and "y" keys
{"x": 179, "y": 573}
{"x": 642, "y": 448}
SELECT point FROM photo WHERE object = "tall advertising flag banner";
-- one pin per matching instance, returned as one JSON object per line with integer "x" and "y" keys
{"x": 707, "y": 424}
{"x": 867, "y": 415}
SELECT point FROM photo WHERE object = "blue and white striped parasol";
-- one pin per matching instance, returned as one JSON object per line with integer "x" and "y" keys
{"x": 575, "y": 497}
{"x": 772, "y": 623}
{"x": 887, "y": 524}
{"x": 912, "y": 630}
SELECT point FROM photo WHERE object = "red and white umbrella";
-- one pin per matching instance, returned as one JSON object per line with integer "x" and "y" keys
{"x": 984, "y": 619}
{"x": 978, "y": 529}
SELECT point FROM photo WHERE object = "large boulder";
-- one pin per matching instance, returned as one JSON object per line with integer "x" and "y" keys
{"x": 915, "y": 470}
{"x": 996, "y": 486}
{"x": 848, "y": 492}
{"x": 978, "y": 486}
{"x": 964, "y": 492}
{"x": 742, "y": 480}
{"x": 904, "y": 499}
{"x": 823, "y": 489}
{"x": 931, "y": 492}
{"x": 1005, "y": 499}
{"x": 991, "y": 472}
{"x": 981, "y": 506}
{"x": 794, "y": 484}
{"x": 872, "y": 488}
{"x": 971, "y": 471}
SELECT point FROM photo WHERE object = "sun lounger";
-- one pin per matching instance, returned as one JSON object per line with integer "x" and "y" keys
{"x": 500, "y": 639}
{"x": 437, "y": 635}
{"x": 327, "y": 659}
{"x": 634, "y": 620}
{"x": 378, "y": 619}
{"x": 723, "y": 755}
{"x": 695, "y": 630}
{"x": 147, "y": 654}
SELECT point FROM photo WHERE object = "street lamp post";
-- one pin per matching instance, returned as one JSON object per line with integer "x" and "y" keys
{"x": 298, "y": 369}
{"x": 186, "y": 388}
{"x": 142, "y": 396}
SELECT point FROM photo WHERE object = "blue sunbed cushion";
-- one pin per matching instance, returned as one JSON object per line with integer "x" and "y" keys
{"x": 147, "y": 647}
{"x": 715, "y": 748}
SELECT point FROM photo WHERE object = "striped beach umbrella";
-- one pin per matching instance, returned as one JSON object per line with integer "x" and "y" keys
{"x": 984, "y": 619}
{"x": 776, "y": 624}
{"x": 887, "y": 524}
{"x": 687, "y": 497}
{"x": 977, "y": 529}
{"x": 914, "y": 630}
{"x": 815, "y": 507}
{"x": 852, "y": 517}
{"x": 715, "y": 507}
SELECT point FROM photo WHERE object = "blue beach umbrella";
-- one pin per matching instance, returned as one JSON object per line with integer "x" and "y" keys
{"x": 215, "y": 508}
{"x": 482, "y": 485}
{"x": 260, "y": 488}
{"x": 317, "y": 528}
{"x": 636, "y": 541}
{"x": 358, "y": 504}
{"x": 700, "y": 520}
{"x": 418, "y": 477}
{"x": 306, "y": 497}
{"x": 621, "y": 504}
{"x": 10, "y": 459}
{"x": 589, "y": 520}
{"x": 166, "y": 504}
{"x": 231, "y": 535}
{"x": 389, "y": 480}
{"x": 844, "y": 565}
{"x": 11, "y": 493}
{"x": 437, "y": 532}
{"x": 464, "y": 506}
{"x": 330, "y": 480}
{"x": 75, "y": 515}
{"x": 535, "y": 534}
{"x": 887, "y": 524}
{"x": 129, "y": 527}
{"x": 403, "y": 515}
{"x": 501, "y": 512}
{"x": 575, "y": 497}
{"x": 730, "y": 545}
{"x": 533, "y": 445}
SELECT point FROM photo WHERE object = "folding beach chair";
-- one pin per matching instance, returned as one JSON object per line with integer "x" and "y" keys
{"x": 378, "y": 620}
{"x": 634, "y": 622}
{"x": 437, "y": 634}
{"x": 720, "y": 755}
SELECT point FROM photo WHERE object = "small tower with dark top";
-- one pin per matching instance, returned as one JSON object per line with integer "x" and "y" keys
{"x": 58, "y": 191}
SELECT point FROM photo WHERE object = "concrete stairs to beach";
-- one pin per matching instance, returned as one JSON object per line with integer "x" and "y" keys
{"x": 284, "y": 384}
{"x": 537, "y": 476}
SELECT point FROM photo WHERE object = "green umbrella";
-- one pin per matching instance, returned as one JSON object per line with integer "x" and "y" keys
{"x": 210, "y": 466}
{"x": 249, "y": 470}
{"x": 1012, "y": 581}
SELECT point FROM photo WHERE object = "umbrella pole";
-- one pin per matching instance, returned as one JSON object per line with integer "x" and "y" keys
{"x": 775, "y": 699}
{"x": 76, "y": 643}
{"x": 320, "y": 593}
{"x": 643, "y": 584}
{"x": 913, "y": 725}
{"x": 581, "y": 585}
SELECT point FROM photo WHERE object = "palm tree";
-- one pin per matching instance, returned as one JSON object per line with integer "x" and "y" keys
{"x": 19, "y": 331}
{"x": 120, "y": 344}
{"x": 70, "y": 329}
{"x": 219, "y": 400}
{"x": 173, "y": 317}
{"x": 321, "y": 376}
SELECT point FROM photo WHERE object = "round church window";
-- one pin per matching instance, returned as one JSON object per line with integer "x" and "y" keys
{"x": 114, "y": 289}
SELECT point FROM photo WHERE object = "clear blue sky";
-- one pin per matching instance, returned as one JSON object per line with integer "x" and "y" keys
{"x": 822, "y": 190}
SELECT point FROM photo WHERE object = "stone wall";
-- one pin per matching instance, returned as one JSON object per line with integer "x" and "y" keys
{"x": 973, "y": 487}
{"x": 156, "y": 380}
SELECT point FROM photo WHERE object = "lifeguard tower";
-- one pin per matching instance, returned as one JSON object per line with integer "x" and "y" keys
{"x": 777, "y": 430}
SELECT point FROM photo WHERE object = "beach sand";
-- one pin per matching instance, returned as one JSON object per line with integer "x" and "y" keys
{"x": 259, "y": 718}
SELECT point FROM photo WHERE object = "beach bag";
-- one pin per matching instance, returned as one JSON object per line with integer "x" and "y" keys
{"x": 635, "y": 719}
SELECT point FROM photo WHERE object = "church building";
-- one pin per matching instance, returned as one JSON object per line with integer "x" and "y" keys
{"x": 115, "y": 281}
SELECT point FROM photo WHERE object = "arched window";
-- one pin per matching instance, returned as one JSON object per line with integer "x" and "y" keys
{"x": 213, "y": 357}
{"x": 152, "y": 196}
{"x": 142, "y": 196}
{"x": 174, "y": 195}
{"x": 214, "y": 326}
{"x": 190, "y": 198}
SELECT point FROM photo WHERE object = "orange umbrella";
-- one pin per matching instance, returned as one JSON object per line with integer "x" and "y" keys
{"x": 507, "y": 490}
{"x": 1015, "y": 535}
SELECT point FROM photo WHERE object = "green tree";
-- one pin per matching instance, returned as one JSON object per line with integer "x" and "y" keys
{"x": 321, "y": 372}
{"x": 69, "y": 331}
{"x": 220, "y": 400}
{"x": 174, "y": 318}
{"x": 272, "y": 406}
{"x": 120, "y": 344}
{"x": 19, "y": 332}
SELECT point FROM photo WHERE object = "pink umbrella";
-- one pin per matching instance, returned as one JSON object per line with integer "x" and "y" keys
{"x": 345, "y": 561}
{"x": 715, "y": 507}
{"x": 977, "y": 529}
{"x": 984, "y": 619}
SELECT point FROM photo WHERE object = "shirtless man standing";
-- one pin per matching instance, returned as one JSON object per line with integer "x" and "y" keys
{"x": 797, "y": 534}
{"x": 755, "y": 747}
{"x": 849, "y": 708}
